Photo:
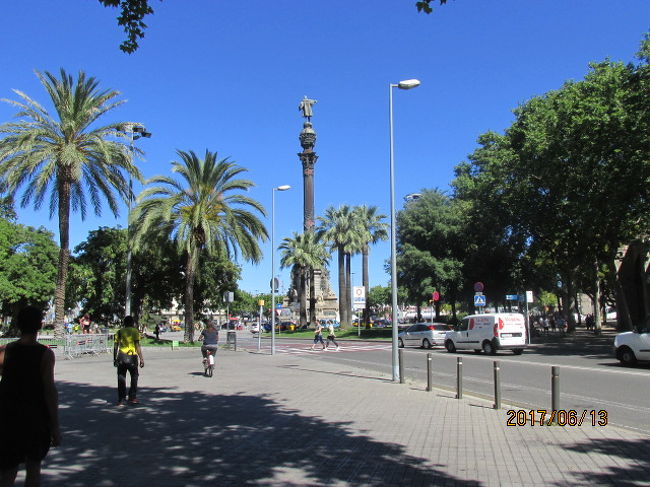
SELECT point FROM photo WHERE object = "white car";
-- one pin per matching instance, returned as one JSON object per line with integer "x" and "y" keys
{"x": 489, "y": 332}
{"x": 632, "y": 346}
{"x": 611, "y": 314}
{"x": 424, "y": 335}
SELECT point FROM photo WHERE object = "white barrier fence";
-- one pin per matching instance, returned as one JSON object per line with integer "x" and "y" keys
{"x": 75, "y": 345}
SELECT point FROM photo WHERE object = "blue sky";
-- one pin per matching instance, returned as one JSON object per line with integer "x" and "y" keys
{"x": 228, "y": 76}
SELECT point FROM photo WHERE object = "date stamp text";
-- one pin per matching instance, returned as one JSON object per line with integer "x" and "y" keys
{"x": 560, "y": 417}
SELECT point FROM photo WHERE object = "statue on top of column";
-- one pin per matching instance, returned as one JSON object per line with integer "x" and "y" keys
{"x": 305, "y": 106}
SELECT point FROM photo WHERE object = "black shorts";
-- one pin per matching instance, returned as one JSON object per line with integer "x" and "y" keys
{"x": 212, "y": 348}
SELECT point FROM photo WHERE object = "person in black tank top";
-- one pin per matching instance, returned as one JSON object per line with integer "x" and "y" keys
{"x": 29, "y": 421}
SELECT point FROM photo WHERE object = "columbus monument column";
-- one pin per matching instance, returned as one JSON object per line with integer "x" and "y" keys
{"x": 308, "y": 158}
{"x": 321, "y": 296}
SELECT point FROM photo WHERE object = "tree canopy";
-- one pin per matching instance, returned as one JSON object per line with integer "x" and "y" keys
{"x": 28, "y": 258}
{"x": 546, "y": 205}
{"x": 203, "y": 212}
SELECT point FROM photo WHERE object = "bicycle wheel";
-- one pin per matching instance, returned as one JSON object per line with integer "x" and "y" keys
{"x": 209, "y": 370}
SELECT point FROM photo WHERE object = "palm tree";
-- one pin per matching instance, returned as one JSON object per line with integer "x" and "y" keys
{"x": 374, "y": 229}
{"x": 305, "y": 253}
{"x": 338, "y": 227}
{"x": 65, "y": 158}
{"x": 203, "y": 212}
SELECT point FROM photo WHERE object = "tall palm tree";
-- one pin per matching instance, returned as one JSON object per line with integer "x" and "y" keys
{"x": 66, "y": 158}
{"x": 305, "y": 253}
{"x": 203, "y": 211}
{"x": 338, "y": 227}
{"x": 373, "y": 230}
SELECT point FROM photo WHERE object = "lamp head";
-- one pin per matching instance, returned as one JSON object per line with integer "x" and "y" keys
{"x": 408, "y": 84}
{"x": 284, "y": 187}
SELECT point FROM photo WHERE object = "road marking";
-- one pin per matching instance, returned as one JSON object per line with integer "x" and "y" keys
{"x": 294, "y": 350}
{"x": 564, "y": 366}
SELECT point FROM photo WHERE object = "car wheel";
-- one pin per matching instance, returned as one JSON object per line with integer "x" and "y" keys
{"x": 626, "y": 356}
{"x": 518, "y": 351}
{"x": 400, "y": 344}
{"x": 426, "y": 344}
{"x": 488, "y": 348}
{"x": 449, "y": 345}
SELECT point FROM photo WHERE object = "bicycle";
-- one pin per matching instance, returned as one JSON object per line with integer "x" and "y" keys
{"x": 208, "y": 363}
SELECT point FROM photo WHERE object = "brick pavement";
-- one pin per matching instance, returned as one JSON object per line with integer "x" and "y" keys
{"x": 305, "y": 420}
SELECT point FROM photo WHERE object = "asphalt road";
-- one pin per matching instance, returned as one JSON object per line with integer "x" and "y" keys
{"x": 591, "y": 379}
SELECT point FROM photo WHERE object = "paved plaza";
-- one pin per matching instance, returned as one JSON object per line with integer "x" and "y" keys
{"x": 295, "y": 420}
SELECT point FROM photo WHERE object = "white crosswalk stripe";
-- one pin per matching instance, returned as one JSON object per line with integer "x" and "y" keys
{"x": 306, "y": 350}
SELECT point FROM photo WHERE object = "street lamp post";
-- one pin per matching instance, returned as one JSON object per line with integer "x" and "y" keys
{"x": 135, "y": 131}
{"x": 404, "y": 85}
{"x": 273, "y": 286}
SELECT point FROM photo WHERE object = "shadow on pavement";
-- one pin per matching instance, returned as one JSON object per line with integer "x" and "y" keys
{"x": 635, "y": 450}
{"x": 180, "y": 438}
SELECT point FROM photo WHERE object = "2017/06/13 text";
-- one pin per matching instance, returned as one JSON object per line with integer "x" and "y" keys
{"x": 560, "y": 417}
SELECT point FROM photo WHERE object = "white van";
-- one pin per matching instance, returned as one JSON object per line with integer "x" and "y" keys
{"x": 489, "y": 332}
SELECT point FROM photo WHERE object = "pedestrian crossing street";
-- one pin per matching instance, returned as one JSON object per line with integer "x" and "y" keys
{"x": 305, "y": 349}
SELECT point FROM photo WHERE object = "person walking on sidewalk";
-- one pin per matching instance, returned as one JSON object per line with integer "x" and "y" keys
{"x": 29, "y": 418}
{"x": 318, "y": 336}
{"x": 126, "y": 353}
{"x": 331, "y": 337}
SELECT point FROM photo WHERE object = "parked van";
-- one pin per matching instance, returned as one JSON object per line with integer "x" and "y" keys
{"x": 489, "y": 332}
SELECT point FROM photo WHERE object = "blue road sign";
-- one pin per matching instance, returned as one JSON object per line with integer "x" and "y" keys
{"x": 512, "y": 297}
{"x": 479, "y": 300}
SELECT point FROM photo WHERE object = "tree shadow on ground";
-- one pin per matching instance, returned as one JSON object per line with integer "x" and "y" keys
{"x": 190, "y": 438}
{"x": 629, "y": 475}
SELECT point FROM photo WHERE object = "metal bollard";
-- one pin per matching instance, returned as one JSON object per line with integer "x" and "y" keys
{"x": 429, "y": 381}
{"x": 555, "y": 388}
{"x": 459, "y": 378}
{"x": 400, "y": 355}
{"x": 497, "y": 385}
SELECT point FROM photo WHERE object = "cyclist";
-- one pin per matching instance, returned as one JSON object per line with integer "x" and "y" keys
{"x": 210, "y": 338}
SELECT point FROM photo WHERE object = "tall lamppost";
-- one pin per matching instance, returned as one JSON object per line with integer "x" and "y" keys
{"x": 273, "y": 280}
{"x": 135, "y": 131}
{"x": 403, "y": 85}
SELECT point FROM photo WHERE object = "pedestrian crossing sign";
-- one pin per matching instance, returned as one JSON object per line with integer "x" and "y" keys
{"x": 479, "y": 300}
